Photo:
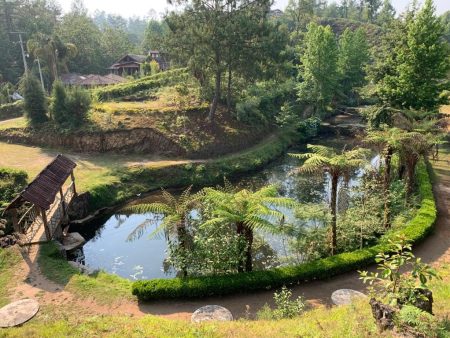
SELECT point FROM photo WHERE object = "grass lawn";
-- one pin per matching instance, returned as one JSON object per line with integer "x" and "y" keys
{"x": 91, "y": 170}
{"x": 20, "y": 122}
{"x": 344, "y": 321}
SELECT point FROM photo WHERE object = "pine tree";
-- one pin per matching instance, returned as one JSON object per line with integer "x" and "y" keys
{"x": 34, "y": 99}
{"x": 58, "y": 106}
{"x": 412, "y": 61}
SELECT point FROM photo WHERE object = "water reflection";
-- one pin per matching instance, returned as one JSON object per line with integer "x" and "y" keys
{"x": 109, "y": 247}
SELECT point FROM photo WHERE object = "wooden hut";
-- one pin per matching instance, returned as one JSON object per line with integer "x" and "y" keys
{"x": 45, "y": 201}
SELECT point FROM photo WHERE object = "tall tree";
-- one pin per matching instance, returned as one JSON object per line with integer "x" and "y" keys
{"x": 34, "y": 99}
{"x": 413, "y": 59}
{"x": 372, "y": 9}
{"x": 200, "y": 37}
{"x": 339, "y": 166}
{"x": 79, "y": 29}
{"x": 318, "y": 70}
{"x": 387, "y": 13}
{"x": 353, "y": 56}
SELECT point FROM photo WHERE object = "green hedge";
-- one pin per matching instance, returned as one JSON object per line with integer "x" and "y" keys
{"x": 146, "y": 83}
{"x": 11, "y": 110}
{"x": 193, "y": 287}
{"x": 139, "y": 179}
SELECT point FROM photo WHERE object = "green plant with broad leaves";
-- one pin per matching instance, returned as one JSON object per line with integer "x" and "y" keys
{"x": 285, "y": 306}
{"x": 392, "y": 282}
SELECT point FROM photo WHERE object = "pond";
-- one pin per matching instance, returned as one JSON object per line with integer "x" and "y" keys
{"x": 109, "y": 248}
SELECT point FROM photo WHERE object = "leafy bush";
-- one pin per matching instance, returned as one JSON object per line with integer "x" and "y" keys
{"x": 285, "y": 306}
{"x": 194, "y": 287}
{"x": 11, "y": 183}
{"x": 413, "y": 320}
{"x": 69, "y": 105}
{"x": 11, "y": 110}
{"x": 150, "y": 82}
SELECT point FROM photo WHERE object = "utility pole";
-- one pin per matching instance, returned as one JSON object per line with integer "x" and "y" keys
{"x": 23, "y": 51}
{"x": 40, "y": 74}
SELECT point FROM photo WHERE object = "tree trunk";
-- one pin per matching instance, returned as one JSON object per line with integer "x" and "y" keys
{"x": 386, "y": 186}
{"x": 248, "y": 252}
{"x": 182, "y": 239}
{"x": 334, "y": 185}
{"x": 229, "y": 88}
{"x": 240, "y": 232}
{"x": 212, "y": 110}
{"x": 410, "y": 170}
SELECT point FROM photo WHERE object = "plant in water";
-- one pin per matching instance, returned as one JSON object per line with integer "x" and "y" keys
{"x": 392, "y": 282}
{"x": 324, "y": 159}
{"x": 176, "y": 212}
{"x": 285, "y": 306}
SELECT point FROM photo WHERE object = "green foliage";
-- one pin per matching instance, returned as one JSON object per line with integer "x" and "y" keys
{"x": 9, "y": 258}
{"x": 285, "y": 306}
{"x": 11, "y": 183}
{"x": 319, "y": 72}
{"x": 261, "y": 102}
{"x": 412, "y": 61}
{"x": 413, "y": 320}
{"x": 11, "y": 110}
{"x": 194, "y": 287}
{"x": 147, "y": 83}
{"x": 392, "y": 283}
{"x": 69, "y": 105}
{"x": 353, "y": 56}
{"x": 35, "y": 105}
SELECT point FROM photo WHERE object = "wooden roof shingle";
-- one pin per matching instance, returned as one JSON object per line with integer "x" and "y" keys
{"x": 43, "y": 189}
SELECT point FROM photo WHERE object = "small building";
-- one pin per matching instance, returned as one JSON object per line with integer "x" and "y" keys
{"x": 91, "y": 80}
{"x": 40, "y": 209}
{"x": 130, "y": 64}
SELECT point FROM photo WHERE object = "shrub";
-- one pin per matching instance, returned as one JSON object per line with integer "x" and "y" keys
{"x": 78, "y": 103}
{"x": 35, "y": 105}
{"x": 11, "y": 110}
{"x": 11, "y": 183}
{"x": 285, "y": 306}
{"x": 69, "y": 105}
{"x": 418, "y": 323}
{"x": 194, "y": 287}
{"x": 149, "y": 82}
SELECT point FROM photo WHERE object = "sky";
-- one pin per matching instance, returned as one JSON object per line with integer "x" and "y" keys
{"x": 151, "y": 8}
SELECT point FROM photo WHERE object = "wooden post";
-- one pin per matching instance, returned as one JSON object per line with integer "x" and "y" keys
{"x": 63, "y": 203}
{"x": 15, "y": 221}
{"x": 46, "y": 228}
{"x": 72, "y": 176}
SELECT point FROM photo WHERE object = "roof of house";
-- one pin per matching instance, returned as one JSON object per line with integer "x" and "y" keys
{"x": 91, "y": 79}
{"x": 43, "y": 189}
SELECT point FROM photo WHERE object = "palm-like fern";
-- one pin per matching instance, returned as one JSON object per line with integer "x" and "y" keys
{"x": 174, "y": 213}
{"x": 324, "y": 159}
{"x": 247, "y": 211}
{"x": 387, "y": 142}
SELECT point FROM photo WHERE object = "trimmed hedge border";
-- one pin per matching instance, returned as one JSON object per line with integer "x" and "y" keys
{"x": 149, "y": 82}
{"x": 144, "y": 179}
{"x": 195, "y": 287}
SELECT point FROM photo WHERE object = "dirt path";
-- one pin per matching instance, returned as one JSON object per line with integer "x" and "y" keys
{"x": 435, "y": 250}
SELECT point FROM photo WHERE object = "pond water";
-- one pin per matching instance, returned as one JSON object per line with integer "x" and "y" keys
{"x": 108, "y": 246}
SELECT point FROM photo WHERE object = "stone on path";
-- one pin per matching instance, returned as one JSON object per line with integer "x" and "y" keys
{"x": 211, "y": 312}
{"x": 345, "y": 296}
{"x": 18, "y": 312}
